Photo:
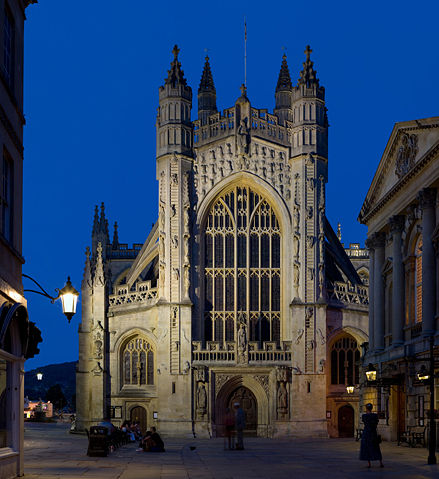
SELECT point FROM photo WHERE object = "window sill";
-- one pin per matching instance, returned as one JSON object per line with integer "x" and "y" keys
{"x": 7, "y": 452}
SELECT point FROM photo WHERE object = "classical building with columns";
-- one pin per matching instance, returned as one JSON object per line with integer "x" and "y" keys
{"x": 241, "y": 291}
{"x": 402, "y": 216}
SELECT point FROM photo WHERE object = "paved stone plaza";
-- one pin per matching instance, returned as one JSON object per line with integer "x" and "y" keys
{"x": 51, "y": 452}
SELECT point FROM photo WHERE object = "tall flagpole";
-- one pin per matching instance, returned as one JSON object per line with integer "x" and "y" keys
{"x": 245, "y": 54}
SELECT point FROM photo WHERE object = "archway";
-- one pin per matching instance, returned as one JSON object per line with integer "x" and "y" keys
{"x": 248, "y": 403}
{"x": 346, "y": 421}
{"x": 138, "y": 414}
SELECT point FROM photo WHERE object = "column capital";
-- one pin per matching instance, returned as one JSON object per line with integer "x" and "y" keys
{"x": 396, "y": 223}
{"x": 376, "y": 240}
{"x": 427, "y": 198}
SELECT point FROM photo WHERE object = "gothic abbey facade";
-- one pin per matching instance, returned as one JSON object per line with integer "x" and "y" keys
{"x": 242, "y": 290}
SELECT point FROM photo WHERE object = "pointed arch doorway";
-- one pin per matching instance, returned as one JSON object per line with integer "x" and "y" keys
{"x": 248, "y": 403}
{"x": 138, "y": 414}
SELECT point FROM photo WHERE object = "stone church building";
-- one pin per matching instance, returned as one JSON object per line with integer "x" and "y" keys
{"x": 242, "y": 290}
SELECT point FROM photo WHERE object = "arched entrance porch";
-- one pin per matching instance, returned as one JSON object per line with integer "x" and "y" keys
{"x": 346, "y": 421}
{"x": 138, "y": 414}
{"x": 252, "y": 399}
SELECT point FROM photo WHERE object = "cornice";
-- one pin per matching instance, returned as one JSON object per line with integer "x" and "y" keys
{"x": 364, "y": 217}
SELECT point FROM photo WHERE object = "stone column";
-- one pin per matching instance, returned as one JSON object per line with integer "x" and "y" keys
{"x": 396, "y": 226}
{"x": 427, "y": 200}
{"x": 369, "y": 245}
{"x": 378, "y": 291}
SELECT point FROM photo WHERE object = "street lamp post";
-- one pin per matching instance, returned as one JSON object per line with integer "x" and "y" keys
{"x": 68, "y": 296}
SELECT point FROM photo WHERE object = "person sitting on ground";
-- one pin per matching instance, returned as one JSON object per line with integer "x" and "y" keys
{"x": 152, "y": 442}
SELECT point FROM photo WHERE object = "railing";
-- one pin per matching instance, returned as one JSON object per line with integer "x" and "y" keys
{"x": 270, "y": 352}
{"x": 227, "y": 352}
{"x": 143, "y": 293}
{"x": 222, "y": 125}
{"x": 416, "y": 330}
{"x": 348, "y": 293}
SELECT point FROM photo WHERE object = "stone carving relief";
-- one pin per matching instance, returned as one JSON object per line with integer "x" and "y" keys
{"x": 97, "y": 370}
{"x": 200, "y": 373}
{"x": 212, "y": 166}
{"x": 220, "y": 380}
{"x": 300, "y": 333}
{"x": 406, "y": 155}
{"x": 264, "y": 382}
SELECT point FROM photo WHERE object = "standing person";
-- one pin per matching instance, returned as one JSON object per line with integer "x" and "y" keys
{"x": 229, "y": 423}
{"x": 370, "y": 448}
{"x": 240, "y": 426}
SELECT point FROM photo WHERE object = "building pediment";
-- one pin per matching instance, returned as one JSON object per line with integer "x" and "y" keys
{"x": 411, "y": 146}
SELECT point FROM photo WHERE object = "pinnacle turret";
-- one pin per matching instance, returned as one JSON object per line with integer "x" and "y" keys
{"x": 284, "y": 80}
{"x": 308, "y": 76}
{"x": 175, "y": 74}
{"x": 206, "y": 83}
{"x": 206, "y": 94}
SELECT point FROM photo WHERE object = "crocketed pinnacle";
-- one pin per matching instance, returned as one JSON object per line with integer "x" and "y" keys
{"x": 96, "y": 221}
{"x": 308, "y": 76}
{"x": 175, "y": 74}
{"x": 115, "y": 236}
{"x": 284, "y": 80}
{"x": 206, "y": 83}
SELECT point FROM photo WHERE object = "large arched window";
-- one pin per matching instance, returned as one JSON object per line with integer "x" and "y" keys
{"x": 137, "y": 362}
{"x": 418, "y": 280}
{"x": 242, "y": 268}
{"x": 345, "y": 358}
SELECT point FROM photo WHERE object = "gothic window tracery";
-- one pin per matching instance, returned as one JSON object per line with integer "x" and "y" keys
{"x": 345, "y": 357}
{"x": 137, "y": 363}
{"x": 242, "y": 246}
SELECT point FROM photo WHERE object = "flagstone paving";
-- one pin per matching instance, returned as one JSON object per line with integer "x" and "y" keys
{"x": 52, "y": 453}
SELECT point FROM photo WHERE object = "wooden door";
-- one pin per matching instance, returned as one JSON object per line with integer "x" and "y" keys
{"x": 138, "y": 414}
{"x": 248, "y": 404}
{"x": 401, "y": 410}
{"x": 346, "y": 421}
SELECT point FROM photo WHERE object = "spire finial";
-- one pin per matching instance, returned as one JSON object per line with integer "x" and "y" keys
{"x": 243, "y": 89}
{"x": 175, "y": 74}
{"x": 308, "y": 75}
{"x": 86, "y": 280}
{"x": 339, "y": 231}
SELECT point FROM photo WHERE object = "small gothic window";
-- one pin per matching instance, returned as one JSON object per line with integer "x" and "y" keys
{"x": 138, "y": 362}
{"x": 418, "y": 280}
{"x": 242, "y": 245}
{"x": 345, "y": 357}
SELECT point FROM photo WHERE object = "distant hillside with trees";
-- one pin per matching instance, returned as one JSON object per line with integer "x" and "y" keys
{"x": 54, "y": 375}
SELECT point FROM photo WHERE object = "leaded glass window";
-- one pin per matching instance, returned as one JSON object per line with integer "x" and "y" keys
{"x": 242, "y": 250}
{"x": 138, "y": 362}
{"x": 345, "y": 357}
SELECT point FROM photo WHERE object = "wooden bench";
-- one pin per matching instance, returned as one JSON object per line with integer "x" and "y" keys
{"x": 418, "y": 436}
{"x": 413, "y": 436}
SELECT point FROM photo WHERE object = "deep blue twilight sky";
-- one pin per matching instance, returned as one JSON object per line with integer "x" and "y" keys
{"x": 92, "y": 70}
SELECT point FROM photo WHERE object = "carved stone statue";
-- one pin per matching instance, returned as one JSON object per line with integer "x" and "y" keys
{"x": 201, "y": 398}
{"x": 282, "y": 396}
{"x": 242, "y": 337}
{"x": 243, "y": 137}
